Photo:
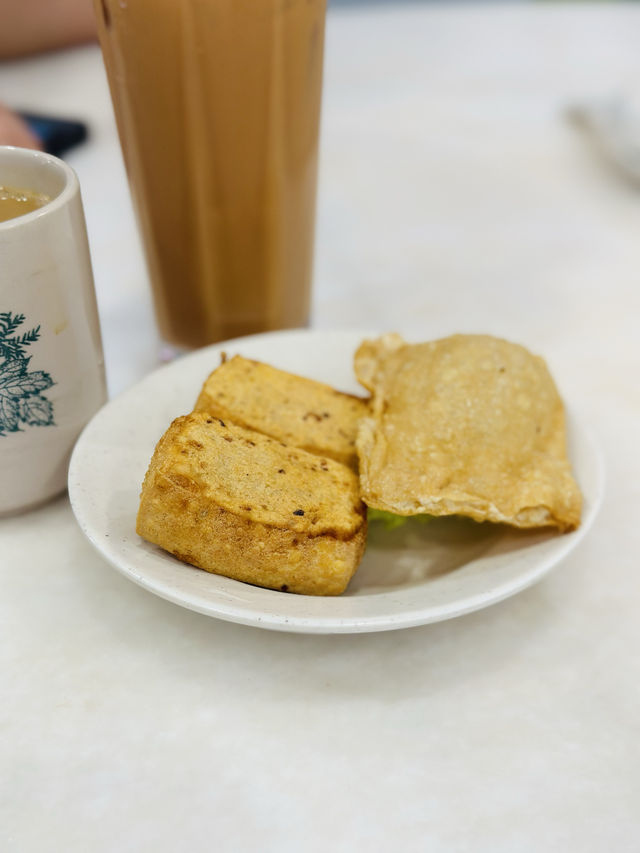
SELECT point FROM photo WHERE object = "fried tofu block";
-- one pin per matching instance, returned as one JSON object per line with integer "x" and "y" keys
{"x": 468, "y": 425}
{"x": 244, "y": 505}
{"x": 301, "y": 412}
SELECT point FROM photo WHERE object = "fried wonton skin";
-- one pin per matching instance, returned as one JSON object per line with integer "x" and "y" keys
{"x": 299, "y": 411}
{"x": 467, "y": 425}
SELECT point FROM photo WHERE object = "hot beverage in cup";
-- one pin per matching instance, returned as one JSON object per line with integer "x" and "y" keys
{"x": 51, "y": 365}
{"x": 16, "y": 202}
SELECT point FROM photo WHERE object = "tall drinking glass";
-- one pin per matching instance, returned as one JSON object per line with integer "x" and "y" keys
{"x": 218, "y": 105}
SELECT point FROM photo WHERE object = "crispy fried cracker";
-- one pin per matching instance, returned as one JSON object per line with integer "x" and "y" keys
{"x": 468, "y": 425}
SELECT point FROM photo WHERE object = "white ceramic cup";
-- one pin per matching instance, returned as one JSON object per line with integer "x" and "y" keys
{"x": 51, "y": 364}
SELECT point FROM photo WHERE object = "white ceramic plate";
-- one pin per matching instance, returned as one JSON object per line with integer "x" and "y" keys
{"x": 410, "y": 576}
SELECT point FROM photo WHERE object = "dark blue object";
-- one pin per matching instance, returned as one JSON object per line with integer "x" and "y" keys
{"x": 56, "y": 134}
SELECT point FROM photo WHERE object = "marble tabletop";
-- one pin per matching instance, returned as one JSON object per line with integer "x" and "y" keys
{"x": 454, "y": 196}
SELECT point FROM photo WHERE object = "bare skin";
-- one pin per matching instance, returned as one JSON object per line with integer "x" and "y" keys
{"x": 37, "y": 26}
{"x": 13, "y": 131}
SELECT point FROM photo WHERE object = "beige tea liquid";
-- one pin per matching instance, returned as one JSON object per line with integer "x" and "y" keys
{"x": 16, "y": 202}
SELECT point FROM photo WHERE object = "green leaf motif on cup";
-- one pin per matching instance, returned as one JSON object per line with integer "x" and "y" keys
{"x": 22, "y": 403}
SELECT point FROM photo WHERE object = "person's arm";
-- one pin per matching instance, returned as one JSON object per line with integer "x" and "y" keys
{"x": 32, "y": 26}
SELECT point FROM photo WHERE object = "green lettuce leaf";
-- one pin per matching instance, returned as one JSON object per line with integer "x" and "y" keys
{"x": 390, "y": 521}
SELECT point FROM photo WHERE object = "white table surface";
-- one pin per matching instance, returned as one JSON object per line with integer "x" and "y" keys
{"x": 454, "y": 197}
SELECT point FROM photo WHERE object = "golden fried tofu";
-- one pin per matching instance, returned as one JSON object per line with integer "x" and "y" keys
{"x": 241, "y": 504}
{"x": 301, "y": 412}
{"x": 468, "y": 425}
